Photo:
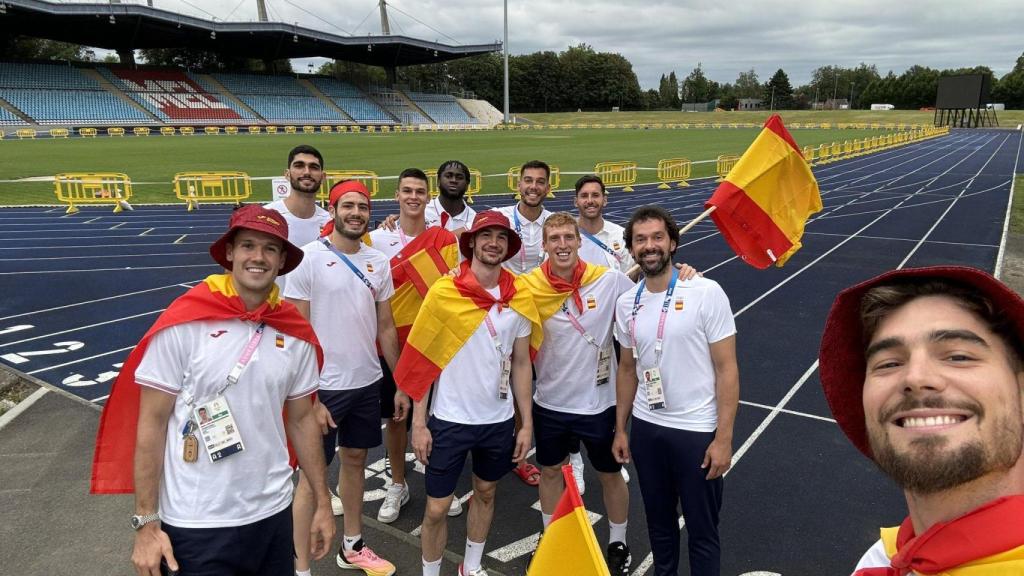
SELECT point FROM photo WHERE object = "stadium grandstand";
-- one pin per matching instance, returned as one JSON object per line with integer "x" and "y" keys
{"x": 74, "y": 94}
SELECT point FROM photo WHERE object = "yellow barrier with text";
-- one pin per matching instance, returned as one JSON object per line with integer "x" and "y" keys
{"x": 92, "y": 188}
{"x": 676, "y": 170}
{"x": 196, "y": 187}
{"x": 617, "y": 174}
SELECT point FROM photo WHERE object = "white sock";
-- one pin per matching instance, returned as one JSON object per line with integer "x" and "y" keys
{"x": 304, "y": 572}
{"x": 546, "y": 518}
{"x": 432, "y": 568}
{"x": 350, "y": 541}
{"x": 474, "y": 554}
{"x": 616, "y": 532}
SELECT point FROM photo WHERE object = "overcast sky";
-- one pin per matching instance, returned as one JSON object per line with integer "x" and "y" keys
{"x": 659, "y": 36}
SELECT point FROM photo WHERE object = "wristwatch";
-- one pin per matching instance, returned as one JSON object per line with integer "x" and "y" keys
{"x": 140, "y": 521}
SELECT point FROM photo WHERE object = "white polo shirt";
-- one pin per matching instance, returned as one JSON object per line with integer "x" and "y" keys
{"x": 389, "y": 242}
{"x": 193, "y": 360}
{"x": 301, "y": 231}
{"x": 531, "y": 233}
{"x": 613, "y": 254}
{"x": 566, "y": 363}
{"x": 432, "y": 214}
{"x": 343, "y": 311}
{"x": 698, "y": 316}
{"x": 467, "y": 390}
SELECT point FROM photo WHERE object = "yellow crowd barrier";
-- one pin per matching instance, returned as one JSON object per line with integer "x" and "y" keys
{"x": 141, "y": 131}
{"x": 115, "y": 131}
{"x": 676, "y": 170}
{"x": 187, "y": 130}
{"x": 196, "y": 187}
{"x": 59, "y": 133}
{"x": 254, "y": 129}
{"x": 554, "y": 180}
{"x": 167, "y": 131}
{"x": 332, "y": 177}
{"x": 476, "y": 182}
{"x": 617, "y": 174}
{"x": 290, "y": 130}
{"x": 809, "y": 154}
{"x": 309, "y": 129}
{"x": 231, "y": 129}
{"x": 724, "y": 164}
{"x": 271, "y": 129}
{"x": 212, "y": 130}
{"x": 92, "y": 188}
{"x": 24, "y": 133}
{"x": 326, "y": 128}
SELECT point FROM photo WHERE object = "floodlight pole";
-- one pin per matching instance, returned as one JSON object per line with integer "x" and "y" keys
{"x": 505, "y": 46}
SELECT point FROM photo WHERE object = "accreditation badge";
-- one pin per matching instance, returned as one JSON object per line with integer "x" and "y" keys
{"x": 506, "y": 376}
{"x": 219, "y": 430}
{"x": 654, "y": 389}
{"x": 604, "y": 365}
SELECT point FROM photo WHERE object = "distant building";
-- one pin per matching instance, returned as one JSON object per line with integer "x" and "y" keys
{"x": 750, "y": 104}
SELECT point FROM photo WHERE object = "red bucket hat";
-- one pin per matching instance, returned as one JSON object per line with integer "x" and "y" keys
{"x": 841, "y": 362}
{"x": 260, "y": 219}
{"x": 488, "y": 219}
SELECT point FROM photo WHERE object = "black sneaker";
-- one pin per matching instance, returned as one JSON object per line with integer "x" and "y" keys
{"x": 619, "y": 558}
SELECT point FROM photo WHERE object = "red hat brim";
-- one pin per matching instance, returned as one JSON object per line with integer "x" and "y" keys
{"x": 490, "y": 219}
{"x": 218, "y": 250}
{"x": 841, "y": 362}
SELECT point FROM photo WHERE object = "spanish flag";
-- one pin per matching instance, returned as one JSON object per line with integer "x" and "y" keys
{"x": 568, "y": 544}
{"x": 987, "y": 541}
{"x": 453, "y": 309}
{"x": 212, "y": 299}
{"x": 763, "y": 203}
{"x": 550, "y": 292}
{"x": 414, "y": 270}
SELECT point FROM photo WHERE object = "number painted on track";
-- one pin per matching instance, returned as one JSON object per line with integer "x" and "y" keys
{"x": 17, "y": 328}
{"x": 79, "y": 381}
{"x": 58, "y": 348}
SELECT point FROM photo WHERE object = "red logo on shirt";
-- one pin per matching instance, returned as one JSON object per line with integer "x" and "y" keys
{"x": 218, "y": 333}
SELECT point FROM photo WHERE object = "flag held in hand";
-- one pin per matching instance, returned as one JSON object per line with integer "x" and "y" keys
{"x": 569, "y": 545}
{"x": 763, "y": 203}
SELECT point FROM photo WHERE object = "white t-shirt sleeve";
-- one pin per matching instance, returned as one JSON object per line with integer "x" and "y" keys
{"x": 622, "y": 283}
{"x": 387, "y": 287}
{"x": 622, "y": 317}
{"x": 307, "y": 374}
{"x": 164, "y": 363}
{"x": 525, "y": 328}
{"x": 875, "y": 557}
{"x": 716, "y": 314}
{"x": 300, "y": 280}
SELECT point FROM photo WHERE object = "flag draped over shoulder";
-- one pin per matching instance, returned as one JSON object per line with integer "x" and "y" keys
{"x": 414, "y": 270}
{"x": 550, "y": 291}
{"x": 987, "y": 541}
{"x": 453, "y": 309}
{"x": 763, "y": 203}
{"x": 212, "y": 299}
{"x": 568, "y": 544}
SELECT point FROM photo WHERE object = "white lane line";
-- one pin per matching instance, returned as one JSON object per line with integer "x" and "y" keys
{"x": 86, "y": 302}
{"x": 122, "y": 269}
{"x": 97, "y": 256}
{"x": 85, "y": 327}
{"x": 1009, "y": 203}
{"x": 790, "y": 412}
{"x": 91, "y": 220}
{"x": 101, "y": 398}
{"x": 178, "y": 241}
{"x": 147, "y": 231}
{"x": 116, "y": 226}
{"x": 889, "y": 239}
{"x": 80, "y": 360}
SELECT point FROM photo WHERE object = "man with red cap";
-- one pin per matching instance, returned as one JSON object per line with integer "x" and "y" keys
{"x": 922, "y": 371}
{"x": 343, "y": 287}
{"x": 475, "y": 335}
{"x": 230, "y": 350}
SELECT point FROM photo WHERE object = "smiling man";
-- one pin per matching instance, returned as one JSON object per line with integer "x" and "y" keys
{"x": 528, "y": 215}
{"x": 602, "y": 241}
{"x": 922, "y": 370}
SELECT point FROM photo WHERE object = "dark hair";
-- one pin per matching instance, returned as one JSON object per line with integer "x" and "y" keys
{"x": 651, "y": 212}
{"x": 412, "y": 173}
{"x": 583, "y": 181}
{"x": 536, "y": 164}
{"x": 454, "y": 164}
{"x": 305, "y": 149}
{"x": 881, "y": 301}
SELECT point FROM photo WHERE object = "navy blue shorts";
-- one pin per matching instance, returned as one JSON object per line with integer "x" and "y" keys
{"x": 264, "y": 547}
{"x": 357, "y": 414}
{"x": 492, "y": 446}
{"x": 556, "y": 433}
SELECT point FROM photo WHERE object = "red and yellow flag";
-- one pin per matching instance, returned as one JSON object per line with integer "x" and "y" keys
{"x": 550, "y": 291}
{"x": 414, "y": 270}
{"x": 213, "y": 299}
{"x": 765, "y": 200}
{"x": 569, "y": 544}
{"x": 453, "y": 309}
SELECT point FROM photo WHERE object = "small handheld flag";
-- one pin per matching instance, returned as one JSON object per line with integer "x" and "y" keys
{"x": 569, "y": 545}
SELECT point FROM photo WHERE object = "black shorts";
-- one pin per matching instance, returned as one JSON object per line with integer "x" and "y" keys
{"x": 492, "y": 446}
{"x": 263, "y": 547}
{"x": 357, "y": 414}
{"x": 556, "y": 432}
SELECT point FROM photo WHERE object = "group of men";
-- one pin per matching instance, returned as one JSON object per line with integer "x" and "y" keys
{"x": 485, "y": 333}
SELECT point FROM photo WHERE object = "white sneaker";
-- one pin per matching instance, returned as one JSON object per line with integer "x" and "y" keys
{"x": 576, "y": 460}
{"x": 336, "y": 505}
{"x": 397, "y": 496}
{"x": 455, "y": 508}
{"x": 478, "y": 572}
{"x": 625, "y": 474}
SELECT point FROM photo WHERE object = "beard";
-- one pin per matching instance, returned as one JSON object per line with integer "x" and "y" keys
{"x": 300, "y": 186}
{"x": 928, "y": 466}
{"x": 339, "y": 225}
{"x": 658, "y": 267}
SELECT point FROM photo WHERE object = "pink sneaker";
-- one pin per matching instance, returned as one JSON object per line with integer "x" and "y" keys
{"x": 362, "y": 558}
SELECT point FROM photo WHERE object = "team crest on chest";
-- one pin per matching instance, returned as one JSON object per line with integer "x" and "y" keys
{"x": 369, "y": 267}
{"x": 591, "y": 302}
{"x": 279, "y": 340}
{"x": 616, "y": 246}
{"x": 679, "y": 303}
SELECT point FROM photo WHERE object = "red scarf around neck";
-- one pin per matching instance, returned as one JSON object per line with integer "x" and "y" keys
{"x": 469, "y": 287}
{"x": 573, "y": 286}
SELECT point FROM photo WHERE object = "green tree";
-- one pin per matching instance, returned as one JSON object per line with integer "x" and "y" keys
{"x": 778, "y": 93}
{"x": 28, "y": 48}
{"x": 747, "y": 85}
{"x": 673, "y": 101}
{"x": 696, "y": 87}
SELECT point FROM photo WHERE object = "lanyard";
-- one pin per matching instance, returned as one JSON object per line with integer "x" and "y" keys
{"x": 350, "y": 265}
{"x": 494, "y": 334}
{"x": 661, "y": 321}
{"x": 401, "y": 234}
{"x": 602, "y": 245}
{"x": 579, "y": 327}
{"x": 243, "y": 361}
{"x": 519, "y": 232}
